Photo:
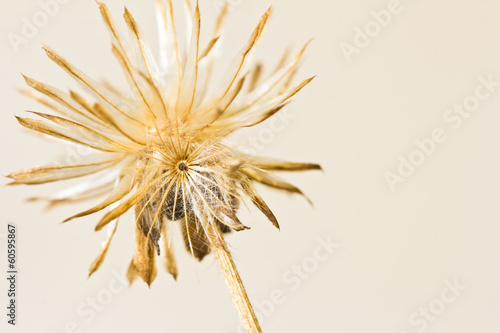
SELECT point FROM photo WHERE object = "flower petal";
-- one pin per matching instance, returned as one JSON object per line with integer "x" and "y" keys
{"x": 144, "y": 262}
{"x": 168, "y": 252}
{"x": 259, "y": 203}
{"x": 147, "y": 65}
{"x": 53, "y": 173}
{"x": 267, "y": 87}
{"x": 232, "y": 74}
{"x": 103, "y": 95}
{"x": 220, "y": 210}
{"x": 190, "y": 74}
{"x": 277, "y": 165}
{"x": 206, "y": 61}
{"x": 82, "y": 191}
{"x": 104, "y": 250}
{"x": 130, "y": 201}
{"x": 272, "y": 181}
{"x": 116, "y": 124}
{"x": 195, "y": 239}
{"x": 71, "y": 131}
{"x": 76, "y": 111}
{"x": 259, "y": 113}
{"x": 124, "y": 187}
{"x": 169, "y": 51}
{"x": 196, "y": 122}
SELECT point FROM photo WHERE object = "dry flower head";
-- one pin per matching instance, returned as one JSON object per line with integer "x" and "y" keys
{"x": 161, "y": 145}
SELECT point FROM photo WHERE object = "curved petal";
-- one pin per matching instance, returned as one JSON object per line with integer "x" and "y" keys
{"x": 53, "y": 173}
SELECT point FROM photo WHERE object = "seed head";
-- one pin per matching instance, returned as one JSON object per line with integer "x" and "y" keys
{"x": 161, "y": 146}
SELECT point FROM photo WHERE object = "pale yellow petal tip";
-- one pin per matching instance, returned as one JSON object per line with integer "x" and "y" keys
{"x": 48, "y": 51}
{"x": 29, "y": 81}
{"x": 96, "y": 264}
{"x": 67, "y": 220}
{"x": 310, "y": 79}
{"x": 20, "y": 120}
{"x": 91, "y": 272}
{"x": 311, "y": 203}
{"x": 126, "y": 12}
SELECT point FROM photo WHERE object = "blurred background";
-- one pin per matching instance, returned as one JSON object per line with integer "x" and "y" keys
{"x": 404, "y": 233}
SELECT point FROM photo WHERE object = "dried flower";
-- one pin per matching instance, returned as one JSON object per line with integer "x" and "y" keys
{"x": 162, "y": 145}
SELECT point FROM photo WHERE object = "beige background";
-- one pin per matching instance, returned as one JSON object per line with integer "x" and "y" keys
{"x": 396, "y": 248}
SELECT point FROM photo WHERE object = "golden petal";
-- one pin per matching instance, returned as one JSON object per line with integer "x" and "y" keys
{"x": 220, "y": 210}
{"x": 114, "y": 124}
{"x": 232, "y": 74}
{"x": 82, "y": 191}
{"x": 61, "y": 98}
{"x": 264, "y": 116}
{"x": 121, "y": 209}
{"x": 130, "y": 202}
{"x": 53, "y": 173}
{"x": 136, "y": 85}
{"x": 148, "y": 222}
{"x": 132, "y": 272}
{"x": 102, "y": 94}
{"x": 190, "y": 75}
{"x": 259, "y": 113}
{"x": 87, "y": 132}
{"x": 146, "y": 63}
{"x": 283, "y": 60}
{"x": 104, "y": 250}
{"x": 277, "y": 165}
{"x": 272, "y": 181}
{"x": 206, "y": 62}
{"x": 124, "y": 187}
{"x": 168, "y": 252}
{"x": 195, "y": 239}
{"x": 267, "y": 88}
{"x": 169, "y": 50}
{"x": 256, "y": 74}
{"x": 208, "y": 48}
{"x": 259, "y": 203}
{"x": 144, "y": 258}
{"x": 200, "y": 121}
{"x": 73, "y": 132}
{"x": 119, "y": 51}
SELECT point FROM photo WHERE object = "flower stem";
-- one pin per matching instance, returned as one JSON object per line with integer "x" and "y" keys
{"x": 233, "y": 280}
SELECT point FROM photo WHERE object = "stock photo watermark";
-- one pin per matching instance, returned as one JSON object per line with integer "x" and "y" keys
{"x": 293, "y": 278}
{"x": 421, "y": 319}
{"x": 265, "y": 135}
{"x": 90, "y": 308}
{"x": 364, "y": 35}
{"x": 31, "y": 25}
{"x": 453, "y": 117}
{"x": 12, "y": 272}
{"x": 219, "y": 4}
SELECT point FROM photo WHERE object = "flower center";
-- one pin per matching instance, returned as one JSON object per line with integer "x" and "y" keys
{"x": 182, "y": 166}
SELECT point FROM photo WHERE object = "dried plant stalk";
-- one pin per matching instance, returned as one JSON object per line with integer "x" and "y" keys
{"x": 233, "y": 281}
